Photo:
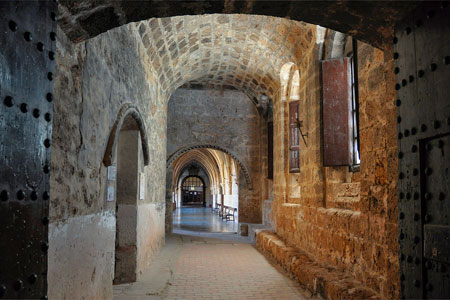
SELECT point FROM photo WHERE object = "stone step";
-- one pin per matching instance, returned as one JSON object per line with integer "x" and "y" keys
{"x": 324, "y": 281}
{"x": 253, "y": 229}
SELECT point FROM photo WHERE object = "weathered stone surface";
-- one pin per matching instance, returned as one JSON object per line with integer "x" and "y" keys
{"x": 322, "y": 280}
{"x": 93, "y": 81}
{"x": 81, "y": 257}
{"x": 343, "y": 219}
{"x": 196, "y": 116}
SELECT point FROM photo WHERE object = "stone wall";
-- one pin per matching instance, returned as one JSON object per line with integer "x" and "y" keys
{"x": 94, "y": 79}
{"x": 227, "y": 120}
{"x": 379, "y": 171}
{"x": 344, "y": 219}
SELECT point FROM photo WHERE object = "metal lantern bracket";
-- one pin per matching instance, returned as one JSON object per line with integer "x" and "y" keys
{"x": 299, "y": 126}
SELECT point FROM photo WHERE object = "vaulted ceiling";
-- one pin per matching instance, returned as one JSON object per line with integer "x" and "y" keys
{"x": 217, "y": 164}
{"x": 222, "y": 51}
{"x": 242, "y": 51}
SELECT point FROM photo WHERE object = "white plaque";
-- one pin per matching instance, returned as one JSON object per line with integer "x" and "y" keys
{"x": 112, "y": 172}
{"x": 110, "y": 194}
{"x": 142, "y": 186}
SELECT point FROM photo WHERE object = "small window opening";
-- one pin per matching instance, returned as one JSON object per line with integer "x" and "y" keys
{"x": 355, "y": 109}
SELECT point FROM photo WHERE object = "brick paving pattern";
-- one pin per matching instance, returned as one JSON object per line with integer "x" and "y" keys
{"x": 196, "y": 266}
{"x": 228, "y": 271}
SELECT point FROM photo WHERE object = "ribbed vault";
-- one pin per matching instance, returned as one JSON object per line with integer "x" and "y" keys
{"x": 201, "y": 157}
{"x": 218, "y": 165}
{"x": 239, "y": 165}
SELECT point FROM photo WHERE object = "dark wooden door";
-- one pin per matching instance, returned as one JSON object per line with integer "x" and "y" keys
{"x": 27, "y": 53}
{"x": 422, "y": 55}
{"x": 435, "y": 171}
{"x": 193, "y": 198}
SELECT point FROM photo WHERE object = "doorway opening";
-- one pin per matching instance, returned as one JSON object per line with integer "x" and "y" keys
{"x": 125, "y": 256}
{"x": 205, "y": 193}
{"x": 193, "y": 191}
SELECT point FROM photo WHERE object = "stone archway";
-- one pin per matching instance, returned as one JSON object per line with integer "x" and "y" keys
{"x": 127, "y": 140}
{"x": 130, "y": 111}
{"x": 229, "y": 185}
{"x": 241, "y": 164}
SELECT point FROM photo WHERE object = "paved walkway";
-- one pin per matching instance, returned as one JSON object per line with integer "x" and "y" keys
{"x": 198, "y": 266}
{"x": 201, "y": 219}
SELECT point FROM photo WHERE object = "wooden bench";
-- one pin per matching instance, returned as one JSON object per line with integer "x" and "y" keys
{"x": 217, "y": 208}
{"x": 229, "y": 213}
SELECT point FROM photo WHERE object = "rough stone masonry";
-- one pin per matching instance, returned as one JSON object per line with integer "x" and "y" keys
{"x": 340, "y": 219}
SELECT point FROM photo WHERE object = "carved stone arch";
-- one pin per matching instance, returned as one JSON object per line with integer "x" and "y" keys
{"x": 183, "y": 150}
{"x": 127, "y": 110}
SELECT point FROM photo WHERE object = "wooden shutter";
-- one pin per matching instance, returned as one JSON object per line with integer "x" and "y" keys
{"x": 294, "y": 137}
{"x": 337, "y": 112}
{"x": 270, "y": 150}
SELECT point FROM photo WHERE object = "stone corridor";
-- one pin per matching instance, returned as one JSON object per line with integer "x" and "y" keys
{"x": 176, "y": 149}
{"x": 196, "y": 266}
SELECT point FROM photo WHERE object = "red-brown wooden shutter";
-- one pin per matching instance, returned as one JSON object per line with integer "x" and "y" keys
{"x": 294, "y": 137}
{"x": 337, "y": 112}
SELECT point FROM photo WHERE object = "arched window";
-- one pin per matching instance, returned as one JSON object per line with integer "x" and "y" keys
{"x": 192, "y": 183}
{"x": 285, "y": 79}
{"x": 294, "y": 122}
{"x": 290, "y": 115}
{"x": 287, "y": 120}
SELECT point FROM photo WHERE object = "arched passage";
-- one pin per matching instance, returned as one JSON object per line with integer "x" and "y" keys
{"x": 126, "y": 154}
{"x": 172, "y": 158}
{"x": 221, "y": 196}
{"x": 230, "y": 121}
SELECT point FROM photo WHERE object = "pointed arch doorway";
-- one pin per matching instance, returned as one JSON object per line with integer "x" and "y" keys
{"x": 193, "y": 191}
{"x": 127, "y": 149}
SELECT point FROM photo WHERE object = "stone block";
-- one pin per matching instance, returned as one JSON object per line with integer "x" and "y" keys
{"x": 321, "y": 280}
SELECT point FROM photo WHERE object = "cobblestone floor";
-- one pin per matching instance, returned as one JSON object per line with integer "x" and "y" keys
{"x": 197, "y": 266}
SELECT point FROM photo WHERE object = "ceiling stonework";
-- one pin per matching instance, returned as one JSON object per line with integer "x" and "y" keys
{"x": 225, "y": 51}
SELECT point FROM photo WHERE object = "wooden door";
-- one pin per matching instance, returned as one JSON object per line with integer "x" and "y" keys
{"x": 422, "y": 56}
{"x": 27, "y": 53}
